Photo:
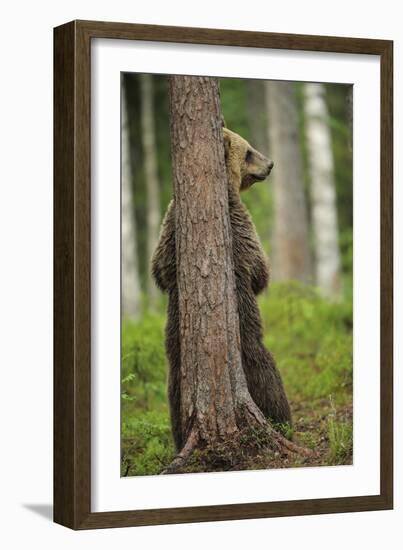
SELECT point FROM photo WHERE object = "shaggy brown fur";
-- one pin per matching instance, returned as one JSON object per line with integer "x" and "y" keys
{"x": 245, "y": 166}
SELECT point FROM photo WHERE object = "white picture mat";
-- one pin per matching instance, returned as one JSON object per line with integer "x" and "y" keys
{"x": 108, "y": 490}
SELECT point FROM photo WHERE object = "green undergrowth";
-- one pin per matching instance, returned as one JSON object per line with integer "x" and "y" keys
{"x": 146, "y": 443}
{"x": 311, "y": 340}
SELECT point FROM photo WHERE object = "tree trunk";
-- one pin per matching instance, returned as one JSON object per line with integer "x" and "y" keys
{"x": 151, "y": 179}
{"x": 215, "y": 402}
{"x": 130, "y": 268}
{"x": 323, "y": 191}
{"x": 291, "y": 258}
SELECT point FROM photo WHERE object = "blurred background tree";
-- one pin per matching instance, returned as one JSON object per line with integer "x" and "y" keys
{"x": 304, "y": 217}
{"x": 290, "y": 242}
{"x": 322, "y": 191}
{"x": 150, "y": 160}
{"x": 130, "y": 267}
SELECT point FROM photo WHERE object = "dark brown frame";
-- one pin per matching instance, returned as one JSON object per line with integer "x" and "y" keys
{"x": 72, "y": 291}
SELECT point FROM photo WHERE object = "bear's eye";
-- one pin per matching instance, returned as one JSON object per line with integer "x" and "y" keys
{"x": 248, "y": 156}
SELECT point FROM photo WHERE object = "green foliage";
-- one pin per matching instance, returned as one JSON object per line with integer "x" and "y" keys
{"x": 143, "y": 362}
{"x": 162, "y": 139}
{"x": 285, "y": 428}
{"x": 234, "y": 106}
{"x": 310, "y": 439}
{"x": 259, "y": 201}
{"x": 311, "y": 340}
{"x": 340, "y": 436}
{"x": 346, "y": 247}
{"x": 339, "y": 104}
{"x": 146, "y": 443}
{"x": 146, "y": 434}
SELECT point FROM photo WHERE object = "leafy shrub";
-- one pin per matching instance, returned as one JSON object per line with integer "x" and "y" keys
{"x": 146, "y": 444}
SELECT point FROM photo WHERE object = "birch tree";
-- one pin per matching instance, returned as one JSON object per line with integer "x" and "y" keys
{"x": 130, "y": 268}
{"x": 322, "y": 191}
{"x": 291, "y": 257}
{"x": 151, "y": 178}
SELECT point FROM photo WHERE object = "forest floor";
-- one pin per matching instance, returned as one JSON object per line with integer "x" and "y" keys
{"x": 327, "y": 432}
{"x": 311, "y": 340}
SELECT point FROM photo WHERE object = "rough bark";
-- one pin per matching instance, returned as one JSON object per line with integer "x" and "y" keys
{"x": 130, "y": 267}
{"x": 322, "y": 191}
{"x": 291, "y": 257}
{"x": 215, "y": 402}
{"x": 151, "y": 178}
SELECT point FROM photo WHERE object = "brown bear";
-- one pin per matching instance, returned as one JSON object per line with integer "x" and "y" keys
{"x": 245, "y": 166}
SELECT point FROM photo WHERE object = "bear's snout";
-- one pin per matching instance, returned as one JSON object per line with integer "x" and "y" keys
{"x": 268, "y": 166}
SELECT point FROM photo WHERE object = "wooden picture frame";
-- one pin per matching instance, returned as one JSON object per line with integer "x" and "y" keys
{"x": 72, "y": 272}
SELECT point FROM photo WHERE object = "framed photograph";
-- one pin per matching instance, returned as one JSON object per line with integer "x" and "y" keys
{"x": 222, "y": 274}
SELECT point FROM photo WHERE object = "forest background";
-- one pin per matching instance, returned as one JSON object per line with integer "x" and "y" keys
{"x": 303, "y": 215}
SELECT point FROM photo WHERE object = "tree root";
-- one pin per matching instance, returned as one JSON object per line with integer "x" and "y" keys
{"x": 232, "y": 453}
{"x": 180, "y": 460}
{"x": 288, "y": 447}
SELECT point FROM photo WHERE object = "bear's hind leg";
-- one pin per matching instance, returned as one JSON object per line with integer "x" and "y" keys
{"x": 174, "y": 375}
{"x": 174, "y": 405}
{"x": 266, "y": 387}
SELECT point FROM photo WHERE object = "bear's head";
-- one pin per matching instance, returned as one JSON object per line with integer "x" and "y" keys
{"x": 245, "y": 165}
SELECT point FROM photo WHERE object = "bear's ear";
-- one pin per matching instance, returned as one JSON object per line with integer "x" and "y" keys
{"x": 227, "y": 142}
